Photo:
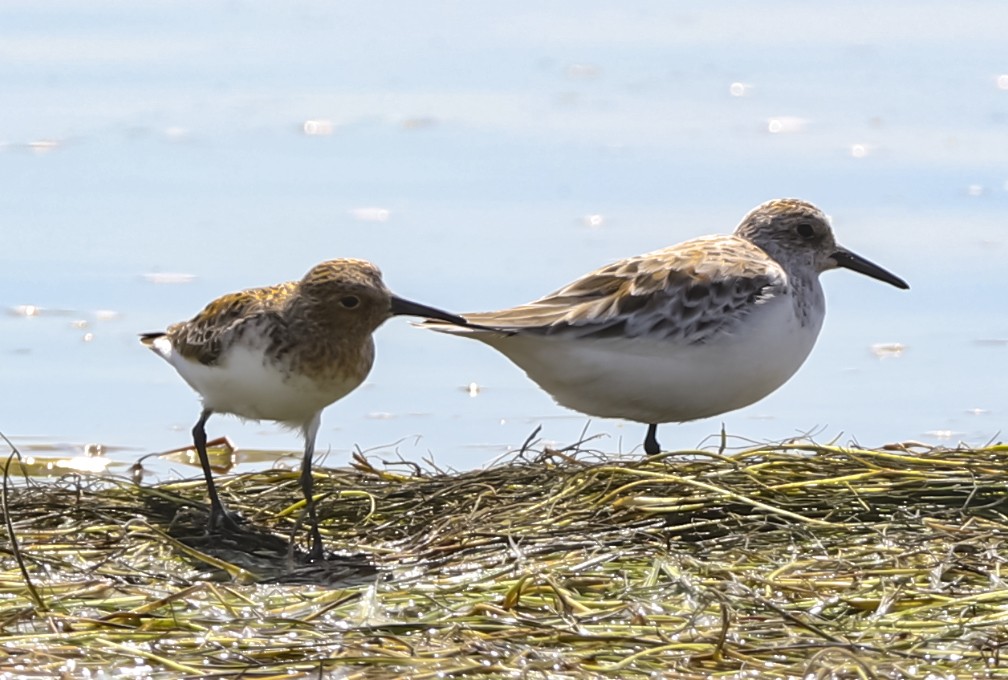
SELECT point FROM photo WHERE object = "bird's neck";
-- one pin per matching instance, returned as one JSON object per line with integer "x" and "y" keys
{"x": 807, "y": 296}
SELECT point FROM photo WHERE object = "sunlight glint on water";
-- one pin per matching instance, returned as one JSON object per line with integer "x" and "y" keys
{"x": 482, "y": 159}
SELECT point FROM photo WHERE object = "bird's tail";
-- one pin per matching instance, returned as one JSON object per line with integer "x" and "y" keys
{"x": 148, "y": 338}
{"x": 470, "y": 328}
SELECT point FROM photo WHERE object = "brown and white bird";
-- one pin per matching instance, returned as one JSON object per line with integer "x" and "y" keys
{"x": 686, "y": 332}
{"x": 284, "y": 353}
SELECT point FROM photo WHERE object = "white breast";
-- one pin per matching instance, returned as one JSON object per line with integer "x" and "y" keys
{"x": 245, "y": 385}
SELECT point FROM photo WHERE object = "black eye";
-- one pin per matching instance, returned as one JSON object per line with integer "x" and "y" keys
{"x": 805, "y": 230}
{"x": 349, "y": 301}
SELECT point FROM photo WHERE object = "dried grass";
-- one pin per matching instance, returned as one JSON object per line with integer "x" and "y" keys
{"x": 785, "y": 561}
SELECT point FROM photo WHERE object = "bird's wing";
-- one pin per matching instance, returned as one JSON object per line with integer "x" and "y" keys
{"x": 687, "y": 292}
{"x": 204, "y": 337}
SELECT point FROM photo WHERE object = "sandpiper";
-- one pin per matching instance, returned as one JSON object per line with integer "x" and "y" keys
{"x": 284, "y": 353}
{"x": 687, "y": 332}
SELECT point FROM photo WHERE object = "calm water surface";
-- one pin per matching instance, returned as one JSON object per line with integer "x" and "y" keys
{"x": 155, "y": 156}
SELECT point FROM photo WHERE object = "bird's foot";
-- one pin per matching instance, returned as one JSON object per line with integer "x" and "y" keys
{"x": 316, "y": 552}
{"x": 225, "y": 521}
{"x": 651, "y": 445}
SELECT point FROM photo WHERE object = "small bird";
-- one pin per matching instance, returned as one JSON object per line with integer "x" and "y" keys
{"x": 284, "y": 353}
{"x": 687, "y": 332}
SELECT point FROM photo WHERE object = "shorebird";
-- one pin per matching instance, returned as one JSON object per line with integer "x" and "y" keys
{"x": 687, "y": 332}
{"x": 283, "y": 353}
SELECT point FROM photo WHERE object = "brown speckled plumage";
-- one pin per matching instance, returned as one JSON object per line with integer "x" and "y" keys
{"x": 304, "y": 327}
{"x": 673, "y": 294}
{"x": 283, "y": 353}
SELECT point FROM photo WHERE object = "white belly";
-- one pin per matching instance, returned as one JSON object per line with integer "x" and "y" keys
{"x": 244, "y": 385}
{"x": 657, "y": 381}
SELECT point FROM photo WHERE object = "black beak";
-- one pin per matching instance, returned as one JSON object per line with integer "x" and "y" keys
{"x": 401, "y": 307}
{"x": 848, "y": 260}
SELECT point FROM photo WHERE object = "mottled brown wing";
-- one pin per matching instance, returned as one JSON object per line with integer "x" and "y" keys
{"x": 203, "y": 337}
{"x": 687, "y": 292}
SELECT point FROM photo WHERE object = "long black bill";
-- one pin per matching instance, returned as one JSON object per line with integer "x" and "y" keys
{"x": 848, "y": 260}
{"x": 408, "y": 308}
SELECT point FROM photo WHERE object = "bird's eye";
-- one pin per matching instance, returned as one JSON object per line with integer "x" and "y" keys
{"x": 805, "y": 230}
{"x": 350, "y": 301}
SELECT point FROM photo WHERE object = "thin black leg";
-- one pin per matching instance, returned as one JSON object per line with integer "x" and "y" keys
{"x": 219, "y": 517}
{"x": 310, "y": 430}
{"x": 651, "y": 445}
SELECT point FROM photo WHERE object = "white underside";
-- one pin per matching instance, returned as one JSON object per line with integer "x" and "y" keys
{"x": 243, "y": 385}
{"x": 652, "y": 380}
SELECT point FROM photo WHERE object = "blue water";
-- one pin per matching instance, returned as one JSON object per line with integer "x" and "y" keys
{"x": 482, "y": 155}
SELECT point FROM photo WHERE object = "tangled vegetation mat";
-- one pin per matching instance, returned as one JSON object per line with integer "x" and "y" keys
{"x": 793, "y": 561}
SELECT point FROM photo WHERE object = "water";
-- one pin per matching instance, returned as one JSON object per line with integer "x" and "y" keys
{"x": 483, "y": 155}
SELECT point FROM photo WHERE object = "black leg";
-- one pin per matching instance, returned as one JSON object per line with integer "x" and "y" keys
{"x": 310, "y": 430}
{"x": 651, "y": 445}
{"x": 219, "y": 517}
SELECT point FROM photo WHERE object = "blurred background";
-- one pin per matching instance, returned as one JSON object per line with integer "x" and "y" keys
{"x": 156, "y": 155}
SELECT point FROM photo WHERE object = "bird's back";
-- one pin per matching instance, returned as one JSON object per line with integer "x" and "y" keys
{"x": 247, "y": 354}
{"x": 673, "y": 294}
